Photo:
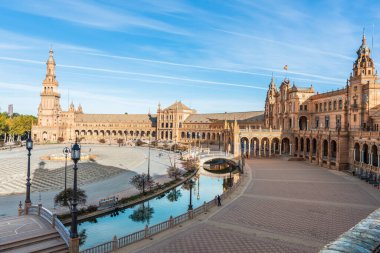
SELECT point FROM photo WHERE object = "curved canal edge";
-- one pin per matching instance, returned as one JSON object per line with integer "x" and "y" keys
{"x": 171, "y": 223}
{"x": 88, "y": 216}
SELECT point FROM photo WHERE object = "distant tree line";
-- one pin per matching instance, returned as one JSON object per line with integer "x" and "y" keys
{"x": 15, "y": 128}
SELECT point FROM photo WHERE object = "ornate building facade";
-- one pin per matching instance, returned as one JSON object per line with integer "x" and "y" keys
{"x": 337, "y": 129}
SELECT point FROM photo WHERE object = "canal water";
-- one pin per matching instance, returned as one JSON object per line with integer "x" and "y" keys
{"x": 154, "y": 211}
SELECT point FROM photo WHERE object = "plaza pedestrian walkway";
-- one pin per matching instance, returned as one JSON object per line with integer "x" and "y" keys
{"x": 283, "y": 207}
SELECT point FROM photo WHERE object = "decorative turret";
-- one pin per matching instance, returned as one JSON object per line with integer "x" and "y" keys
{"x": 364, "y": 65}
{"x": 72, "y": 108}
{"x": 80, "y": 110}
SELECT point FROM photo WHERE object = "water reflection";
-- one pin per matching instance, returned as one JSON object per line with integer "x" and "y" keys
{"x": 142, "y": 214}
{"x": 174, "y": 195}
{"x": 172, "y": 203}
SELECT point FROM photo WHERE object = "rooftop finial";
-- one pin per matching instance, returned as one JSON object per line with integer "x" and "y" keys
{"x": 364, "y": 40}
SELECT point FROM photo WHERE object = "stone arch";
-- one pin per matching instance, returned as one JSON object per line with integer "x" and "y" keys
{"x": 114, "y": 133}
{"x": 365, "y": 153}
{"x": 325, "y": 149}
{"x": 314, "y": 146}
{"x": 275, "y": 145}
{"x": 296, "y": 144}
{"x": 153, "y": 134}
{"x": 265, "y": 146}
{"x": 308, "y": 146}
{"x": 182, "y": 135}
{"x": 333, "y": 146}
{"x": 192, "y": 135}
{"x": 45, "y": 135}
{"x": 375, "y": 157}
{"x": 83, "y": 132}
{"x": 301, "y": 145}
{"x": 101, "y": 132}
{"x": 285, "y": 145}
{"x": 255, "y": 145}
{"x": 142, "y": 133}
{"x": 131, "y": 133}
{"x": 303, "y": 123}
{"x": 357, "y": 152}
{"x": 89, "y": 132}
{"x": 120, "y": 133}
{"x": 244, "y": 146}
{"x": 208, "y": 136}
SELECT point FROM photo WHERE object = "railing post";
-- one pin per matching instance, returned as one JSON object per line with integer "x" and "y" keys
{"x": 114, "y": 243}
{"x": 146, "y": 231}
{"x": 20, "y": 209}
{"x": 39, "y": 209}
{"x": 53, "y": 220}
{"x": 190, "y": 213}
{"x": 205, "y": 207}
{"x": 171, "y": 221}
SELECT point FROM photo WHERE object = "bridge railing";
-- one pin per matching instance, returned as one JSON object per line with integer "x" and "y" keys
{"x": 52, "y": 219}
{"x": 155, "y": 229}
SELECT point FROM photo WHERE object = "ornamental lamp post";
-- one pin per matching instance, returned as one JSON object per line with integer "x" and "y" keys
{"x": 75, "y": 156}
{"x": 28, "y": 202}
{"x": 66, "y": 152}
{"x": 191, "y": 191}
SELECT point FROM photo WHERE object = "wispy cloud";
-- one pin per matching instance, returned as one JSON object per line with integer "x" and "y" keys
{"x": 93, "y": 14}
{"x": 207, "y": 82}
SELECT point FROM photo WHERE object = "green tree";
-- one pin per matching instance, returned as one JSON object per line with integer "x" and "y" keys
{"x": 63, "y": 199}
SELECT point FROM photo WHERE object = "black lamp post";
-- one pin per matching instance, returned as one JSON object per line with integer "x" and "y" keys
{"x": 191, "y": 191}
{"x": 66, "y": 152}
{"x": 28, "y": 202}
{"x": 75, "y": 156}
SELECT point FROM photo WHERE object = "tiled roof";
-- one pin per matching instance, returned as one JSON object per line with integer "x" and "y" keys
{"x": 212, "y": 117}
{"x": 178, "y": 105}
{"x": 138, "y": 118}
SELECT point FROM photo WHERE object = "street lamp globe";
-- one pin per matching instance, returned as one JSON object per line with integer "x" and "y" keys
{"x": 75, "y": 152}
{"x": 29, "y": 144}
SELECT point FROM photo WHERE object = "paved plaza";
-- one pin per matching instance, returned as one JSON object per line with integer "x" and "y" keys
{"x": 107, "y": 175}
{"x": 282, "y": 207}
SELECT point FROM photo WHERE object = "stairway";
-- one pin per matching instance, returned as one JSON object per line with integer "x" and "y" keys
{"x": 41, "y": 242}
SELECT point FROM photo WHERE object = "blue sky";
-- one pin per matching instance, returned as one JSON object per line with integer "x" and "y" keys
{"x": 215, "y": 56}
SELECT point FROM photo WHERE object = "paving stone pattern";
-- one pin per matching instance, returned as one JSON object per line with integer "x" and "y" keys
{"x": 286, "y": 207}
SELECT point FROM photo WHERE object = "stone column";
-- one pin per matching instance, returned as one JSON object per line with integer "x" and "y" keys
{"x": 254, "y": 149}
{"x": 259, "y": 147}
{"x": 290, "y": 149}
{"x": 280, "y": 148}
{"x": 270, "y": 148}
{"x": 299, "y": 147}
{"x": 249, "y": 149}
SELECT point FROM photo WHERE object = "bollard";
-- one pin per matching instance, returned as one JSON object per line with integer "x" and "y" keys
{"x": 171, "y": 222}
{"x": 39, "y": 209}
{"x": 190, "y": 213}
{"x": 205, "y": 207}
{"x": 53, "y": 220}
{"x": 114, "y": 243}
{"x": 146, "y": 231}
{"x": 20, "y": 209}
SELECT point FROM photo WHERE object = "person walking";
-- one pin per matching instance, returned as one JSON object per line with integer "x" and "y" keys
{"x": 219, "y": 201}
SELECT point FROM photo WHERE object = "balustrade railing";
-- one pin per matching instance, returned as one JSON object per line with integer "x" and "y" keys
{"x": 52, "y": 219}
{"x": 155, "y": 229}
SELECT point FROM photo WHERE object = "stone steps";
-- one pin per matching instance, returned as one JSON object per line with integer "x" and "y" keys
{"x": 43, "y": 242}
